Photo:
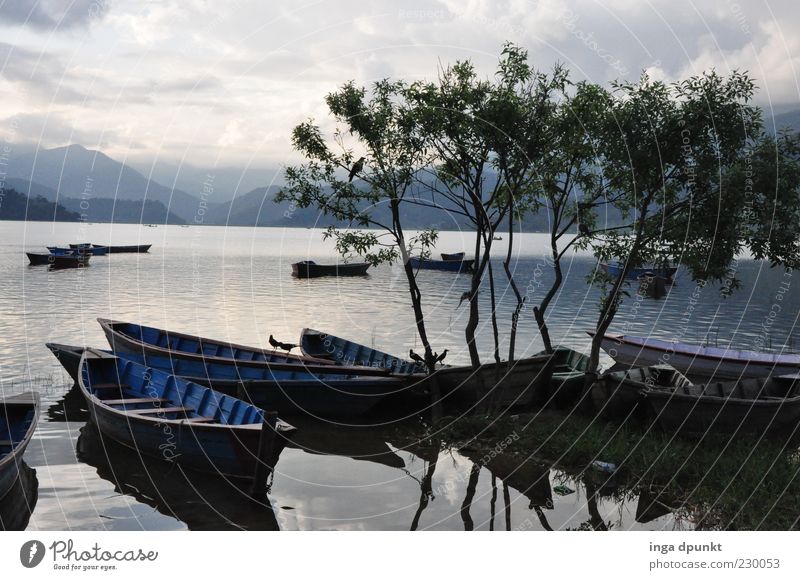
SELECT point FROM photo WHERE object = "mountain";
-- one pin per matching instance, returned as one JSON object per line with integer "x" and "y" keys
{"x": 18, "y": 206}
{"x": 103, "y": 209}
{"x": 225, "y": 182}
{"x": 77, "y": 172}
{"x": 789, "y": 120}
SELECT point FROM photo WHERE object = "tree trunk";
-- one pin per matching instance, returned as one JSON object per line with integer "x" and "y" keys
{"x": 426, "y": 493}
{"x": 520, "y": 299}
{"x": 539, "y": 313}
{"x": 472, "y": 485}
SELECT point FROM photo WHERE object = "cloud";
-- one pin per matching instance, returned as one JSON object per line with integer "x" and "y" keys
{"x": 52, "y": 14}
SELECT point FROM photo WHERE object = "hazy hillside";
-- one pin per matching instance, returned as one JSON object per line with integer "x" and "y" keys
{"x": 76, "y": 172}
{"x": 103, "y": 209}
{"x": 17, "y": 206}
{"x": 789, "y": 120}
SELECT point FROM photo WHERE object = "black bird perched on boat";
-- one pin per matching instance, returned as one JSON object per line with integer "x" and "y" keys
{"x": 357, "y": 167}
{"x": 441, "y": 357}
{"x": 283, "y": 345}
{"x": 415, "y": 357}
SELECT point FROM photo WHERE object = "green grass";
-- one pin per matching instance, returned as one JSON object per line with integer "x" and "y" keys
{"x": 740, "y": 482}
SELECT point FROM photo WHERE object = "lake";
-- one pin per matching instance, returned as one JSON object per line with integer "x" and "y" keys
{"x": 235, "y": 284}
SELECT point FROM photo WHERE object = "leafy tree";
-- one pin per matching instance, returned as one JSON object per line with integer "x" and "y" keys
{"x": 349, "y": 180}
{"x": 674, "y": 157}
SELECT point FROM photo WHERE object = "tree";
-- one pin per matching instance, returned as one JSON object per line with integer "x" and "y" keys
{"x": 675, "y": 156}
{"x": 349, "y": 186}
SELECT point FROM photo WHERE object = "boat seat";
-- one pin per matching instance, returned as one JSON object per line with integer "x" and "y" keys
{"x": 199, "y": 420}
{"x": 164, "y": 410}
{"x": 132, "y": 401}
{"x": 101, "y": 386}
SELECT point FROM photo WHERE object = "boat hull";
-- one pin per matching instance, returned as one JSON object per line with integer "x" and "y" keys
{"x": 226, "y": 448}
{"x": 698, "y": 361}
{"x": 634, "y": 273}
{"x": 20, "y": 413}
{"x": 443, "y": 265}
{"x": 522, "y": 382}
{"x": 313, "y": 270}
{"x": 141, "y": 249}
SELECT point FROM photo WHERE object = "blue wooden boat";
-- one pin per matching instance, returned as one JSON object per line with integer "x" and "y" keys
{"x": 286, "y": 391}
{"x": 184, "y": 423}
{"x": 320, "y": 345}
{"x": 71, "y": 260}
{"x": 131, "y": 338}
{"x": 18, "y": 417}
{"x": 95, "y": 250}
{"x": 140, "y": 249}
{"x": 20, "y": 501}
{"x": 443, "y": 265}
{"x": 615, "y": 269}
{"x": 59, "y": 251}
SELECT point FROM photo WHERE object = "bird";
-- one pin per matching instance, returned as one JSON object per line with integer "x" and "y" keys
{"x": 440, "y": 357}
{"x": 277, "y": 344}
{"x": 415, "y": 357}
{"x": 357, "y": 166}
{"x": 584, "y": 229}
{"x": 465, "y": 296}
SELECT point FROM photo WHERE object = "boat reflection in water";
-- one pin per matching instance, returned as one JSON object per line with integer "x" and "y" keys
{"x": 18, "y": 504}
{"x": 201, "y": 500}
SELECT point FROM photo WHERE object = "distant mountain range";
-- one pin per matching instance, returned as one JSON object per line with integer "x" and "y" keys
{"x": 17, "y": 206}
{"x": 92, "y": 183}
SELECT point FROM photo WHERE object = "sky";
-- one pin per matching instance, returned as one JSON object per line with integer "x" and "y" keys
{"x": 223, "y": 83}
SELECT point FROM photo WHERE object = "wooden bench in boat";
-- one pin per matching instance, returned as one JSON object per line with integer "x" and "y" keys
{"x": 106, "y": 386}
{"x": 133, "y": 401}
{"x": 199, "y": 420}
{"x": 165, "y": 410}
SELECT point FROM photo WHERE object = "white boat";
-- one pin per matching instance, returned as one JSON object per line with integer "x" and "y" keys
{"x": 698, "y": 361}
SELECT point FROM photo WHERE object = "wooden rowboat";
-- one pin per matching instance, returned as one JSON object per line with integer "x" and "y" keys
{"x": 95, "y": 250}
{"x": 309, "y": 269}
{"x": 443, "y": 265}
{"x": 568, "y": 368}
{"x": 145, "y": 340}
{"x": 615, "y": 269}
{"x": 459, "y": 257}
{"x": 698, "y": 361}
{"x": 518, "y": 383}
{"x": 756, "y": 406}
{"x": 177, "y": 421}
{"x": 66, "y": 260}
{"x": 18, "y": 417}
{"x": 287, "y": 391}
{"x": 618, "y": 395}
{"x": 141, "y": 249}
{"x": 320, "y": 345}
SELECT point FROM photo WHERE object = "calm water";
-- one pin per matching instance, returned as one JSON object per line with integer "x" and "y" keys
{"x": 235, "y": 284}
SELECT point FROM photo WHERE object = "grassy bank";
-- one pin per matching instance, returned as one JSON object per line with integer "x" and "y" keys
{"x": 740, "y": 482}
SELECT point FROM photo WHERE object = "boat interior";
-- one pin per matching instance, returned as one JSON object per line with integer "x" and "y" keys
{"x": 15, "y": 420}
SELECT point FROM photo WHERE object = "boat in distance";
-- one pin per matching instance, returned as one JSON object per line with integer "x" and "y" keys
{"x": 146, "y": 340}
{"x": 458, "y": 257}
{"x": 310, "y": 269}
{"x": 321, "y": 345}
{"x": 18, "y": 417}
{"x": 181, "y": 422}
{"x": 443, "y": 265}
{"x": 697, "y": 361}
{"x": 288, "y": 392}
{"x": 95, "y": 250}
{"x": 140, "y": 249}
{"x": 58, "y": 261}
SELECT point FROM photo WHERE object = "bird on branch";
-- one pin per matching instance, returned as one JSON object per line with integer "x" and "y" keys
{"x": 415, "y": 357}
{"x": 283, "y": 345}
{"x": 441, "y": 357}
{"x": 357, "y": 167}
{"x": 465, "y": 296}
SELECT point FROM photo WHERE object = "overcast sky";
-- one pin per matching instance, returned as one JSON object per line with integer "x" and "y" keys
{"x": 224, "y": 82}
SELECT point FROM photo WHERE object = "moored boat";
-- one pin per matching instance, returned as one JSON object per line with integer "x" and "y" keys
{"x": 286, "y": 391}
{"x": 518, "y": 383}
{"x": 178, "y": 421}
{"x": 316, "y": 344}
{"x": 698, "y": 361}
{"x": 619, "y": 395}
{"x": 459, "y": 257}
{"x": 568, "y": 368}
{"x": 145, "y": 340}
{"x": 756, "y": 406}
{"x": 443, "y": 265}
{"x": 140, "y": 249}
{"x": 57, "y": 261}
{"x": 309, "y": 269}
{"x": 18, "y": 417}
{"x": 95, "y": 250}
